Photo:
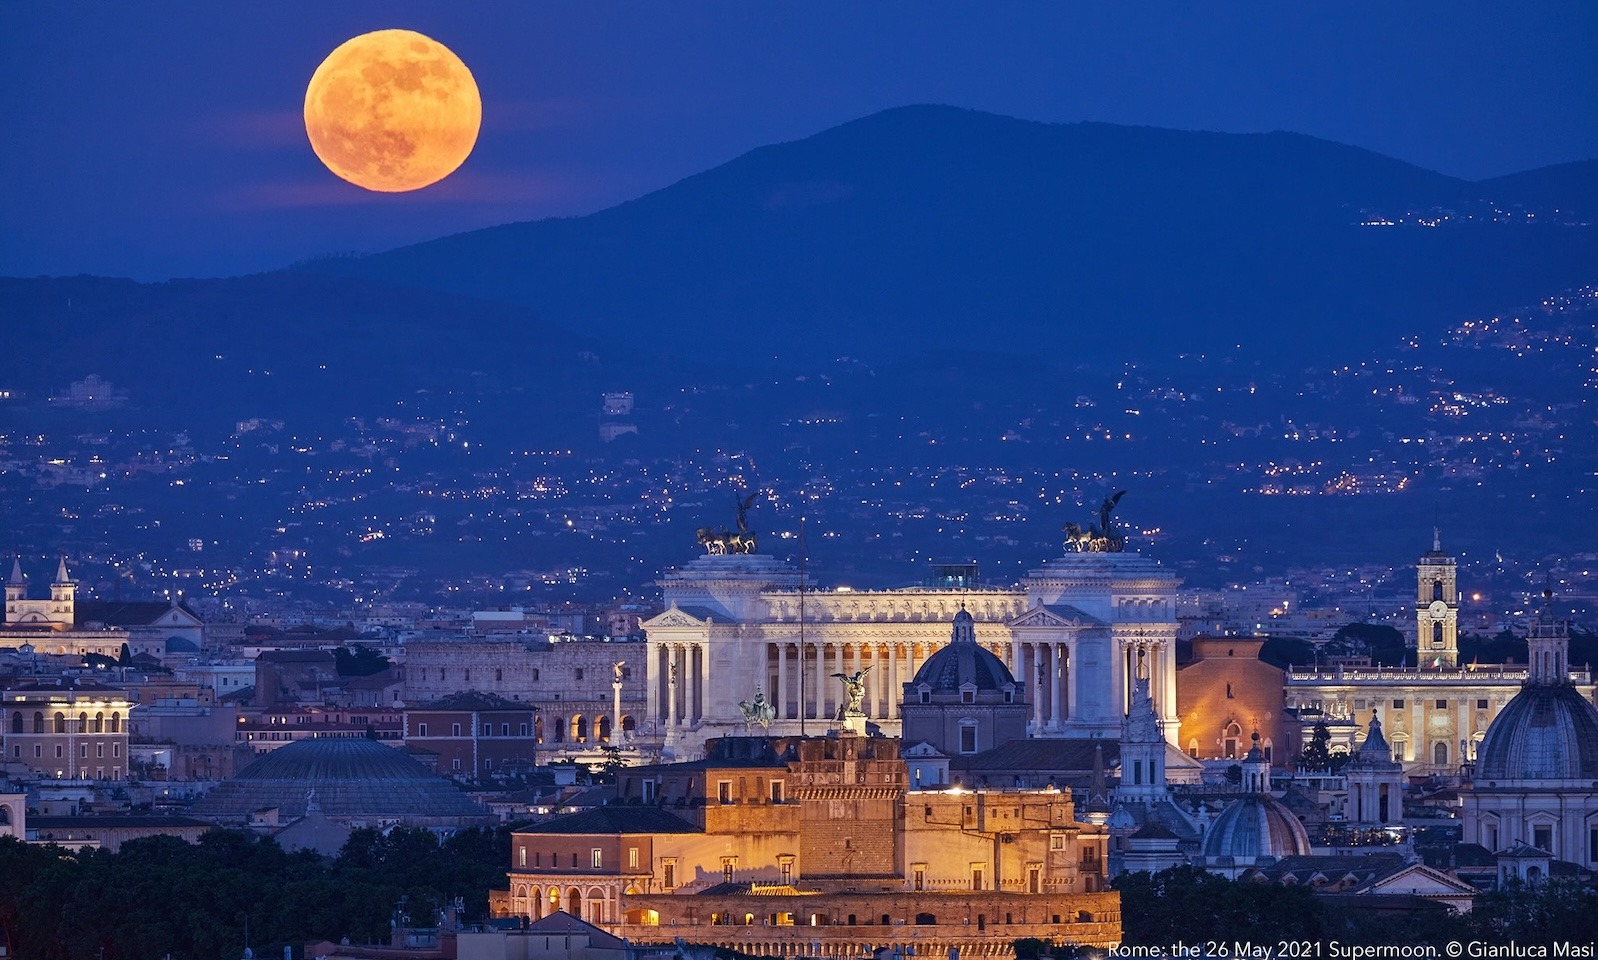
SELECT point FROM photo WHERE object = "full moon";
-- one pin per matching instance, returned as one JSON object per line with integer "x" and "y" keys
{"x": 392, "y": 111}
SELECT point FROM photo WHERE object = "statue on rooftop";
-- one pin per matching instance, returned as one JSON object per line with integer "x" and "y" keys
{"x": 854, "y": 688}
{"x": 1102, "y": 538}
{"x": 758, "y": 711}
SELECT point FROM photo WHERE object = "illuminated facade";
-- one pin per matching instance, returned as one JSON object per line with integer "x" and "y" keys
{"x": 1070, "y": 631}
{"x": 1437, "y": 607}
{"x": 68, "y": 731}
{"x": 815, "y": 847}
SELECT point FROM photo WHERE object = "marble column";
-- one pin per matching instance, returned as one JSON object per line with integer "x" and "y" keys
{"x": 671, "y": 685}
{"x": 701, "y": 701}
{"x": 781, "y": 690}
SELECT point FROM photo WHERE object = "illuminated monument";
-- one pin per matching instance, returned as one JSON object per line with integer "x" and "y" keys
{"x": 738, "y": 624}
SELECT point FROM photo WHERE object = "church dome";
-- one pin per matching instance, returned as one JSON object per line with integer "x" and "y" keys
{"x": 963, "y": 662}
{"x": 1255, "y": 828}
{"x": 1547, "y": 732}
{"x": 1258, "y": 826}
{"x": 346, "y": 778}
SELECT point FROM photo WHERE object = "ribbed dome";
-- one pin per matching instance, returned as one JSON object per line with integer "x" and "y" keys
{"x": 348, "y": 778}
{"x": 963, "y": 661}
{"x": 1547, "y": 732}
{"x": 1255, "y": 827}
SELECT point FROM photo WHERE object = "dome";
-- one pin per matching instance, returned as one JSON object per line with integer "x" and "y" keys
{"x": 1255, "y": 828}
{"x": 963, "y": 661}
{"x": 349, "y": 778}
{"x": 1547, "y": 732}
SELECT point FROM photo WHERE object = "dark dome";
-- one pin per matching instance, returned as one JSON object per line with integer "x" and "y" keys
{"x": 348, "y": 778}
{"x": 1254, "y": 828}
{"x": 963, "y": 661}
{"x": 1547, "y": 732}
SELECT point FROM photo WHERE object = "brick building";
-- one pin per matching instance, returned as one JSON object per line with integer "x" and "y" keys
{"x": 68, "y": 729}
{"x": 788, "y": 846}
{"x": 1226, "y": 694}
{"x": 474, "y": 735}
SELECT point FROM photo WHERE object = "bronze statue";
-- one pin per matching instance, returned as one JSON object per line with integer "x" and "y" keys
{"x": 719, "y": 543}
{"x": 854, "y": 687}
{"x": 1103, "y": 538}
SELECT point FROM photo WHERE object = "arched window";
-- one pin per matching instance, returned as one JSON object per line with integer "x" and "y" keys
{"x": 16, "y": 722}
{"x": 60, "y": 722}
{"x": 116, "y": 722}
{"x": 579, "y": 728}
{"x": 99, "y": 722}
{"x": 1437, "y": 589}
{"x": 1230, "y": 738}
{"x": 602, "y": 734}
{"x": 558, "y": 730}
{"x": 83, "y": 722}
{"x": 38, "y": 721}
{"x": 538, "y": 729}
{"x": 574, "y": 902}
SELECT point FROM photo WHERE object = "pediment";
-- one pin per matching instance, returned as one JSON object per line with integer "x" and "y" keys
{"x": 679, "y": 617}
{"x": 1061, "y": 615}
{"x": 1421, "y": 880}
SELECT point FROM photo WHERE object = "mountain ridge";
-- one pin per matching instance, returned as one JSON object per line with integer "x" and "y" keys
{"x": 911, "y": 225}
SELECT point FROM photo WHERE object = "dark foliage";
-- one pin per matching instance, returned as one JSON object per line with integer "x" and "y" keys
{"x": 191, "y": 900}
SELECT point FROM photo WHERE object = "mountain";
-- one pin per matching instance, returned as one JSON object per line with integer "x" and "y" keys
{"x": 939, "y": 228}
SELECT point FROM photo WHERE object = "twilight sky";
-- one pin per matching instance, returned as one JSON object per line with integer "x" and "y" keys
{"x": 160, "y": 140}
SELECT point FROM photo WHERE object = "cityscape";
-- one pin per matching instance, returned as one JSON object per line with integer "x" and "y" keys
{"x": 970, "y": 531}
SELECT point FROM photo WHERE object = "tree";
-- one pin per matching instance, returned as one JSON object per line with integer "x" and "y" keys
{"x": 1190, "y": 904}
{"x": 1317, "y": 756}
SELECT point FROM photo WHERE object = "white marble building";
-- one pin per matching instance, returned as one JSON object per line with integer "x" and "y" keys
{"x": 1071, "y": 630}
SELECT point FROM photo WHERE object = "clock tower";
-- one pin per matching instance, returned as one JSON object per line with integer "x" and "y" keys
{"x": 1437, "y": 608}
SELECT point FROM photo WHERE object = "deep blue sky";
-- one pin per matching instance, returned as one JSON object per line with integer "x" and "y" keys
{"x": 158, "y": 140}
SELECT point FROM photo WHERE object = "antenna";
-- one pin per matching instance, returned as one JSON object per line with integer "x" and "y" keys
{"x": 802, "y": 657}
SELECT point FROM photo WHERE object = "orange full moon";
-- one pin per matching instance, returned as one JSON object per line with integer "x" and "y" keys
{"x": 392, "y": 111}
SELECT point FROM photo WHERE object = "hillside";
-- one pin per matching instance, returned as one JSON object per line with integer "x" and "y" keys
{"x": 934, "y": 227}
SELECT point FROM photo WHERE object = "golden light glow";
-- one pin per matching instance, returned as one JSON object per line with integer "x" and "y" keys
{"x": 392, "y": 111}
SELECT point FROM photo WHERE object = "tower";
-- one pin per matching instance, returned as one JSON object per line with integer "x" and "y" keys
{"x": 1437, "y": 608}
{"x": 63, "y": 593}
{"x": 1142, "y": 746}
{"x": 17, "y": 584}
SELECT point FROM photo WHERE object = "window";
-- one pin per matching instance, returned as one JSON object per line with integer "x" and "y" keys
{"x": 466, "y": 674}
{"x": 421, "y": 729}
{"x": 454, "y": 729}
{"x": 522, "y": 854}
{"x": 729, "y": 866}
{"x": 1442, "y": 704}
{"x": 116, "y": 749}
{"x": 499, "y": 675}
{"x": 504, "y": 729}
{"x": 596, "y": 858}
{"x": 1398, "y": 704}
{"x": 919, "y": 875}
{"x": 632, "y": 858}
{"x": 976, "y": 876}
{"x": 785, "y": 869}
{"x": 579, "y": 672}
{"x": 724, "y": 791}
{"x": 535, "y": 673}
{"x": 1543, "y": 838}
{"x": 926, "y": 696}
{"x": 83, "y": 751}
{"x": 968, "y": 738}
{"x": 668, "y": 874}
{"x": 776, "y": 791}
{"x": 1056, "y": 841}
{"x": 1481, "y": 704}
{"x": 574, "y": 861}
{"x": 455, "y": 763}
{"x": 968, "y": 696}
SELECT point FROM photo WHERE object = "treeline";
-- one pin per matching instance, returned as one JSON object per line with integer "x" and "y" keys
{"x": 161, "y": 895}
{"x": 1189, "y": 905}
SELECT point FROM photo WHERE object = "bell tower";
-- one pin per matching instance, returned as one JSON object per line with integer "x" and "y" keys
{"x": 1437, "y": 608}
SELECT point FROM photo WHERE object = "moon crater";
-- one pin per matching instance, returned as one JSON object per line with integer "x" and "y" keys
{"x": 392, "y": 111}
